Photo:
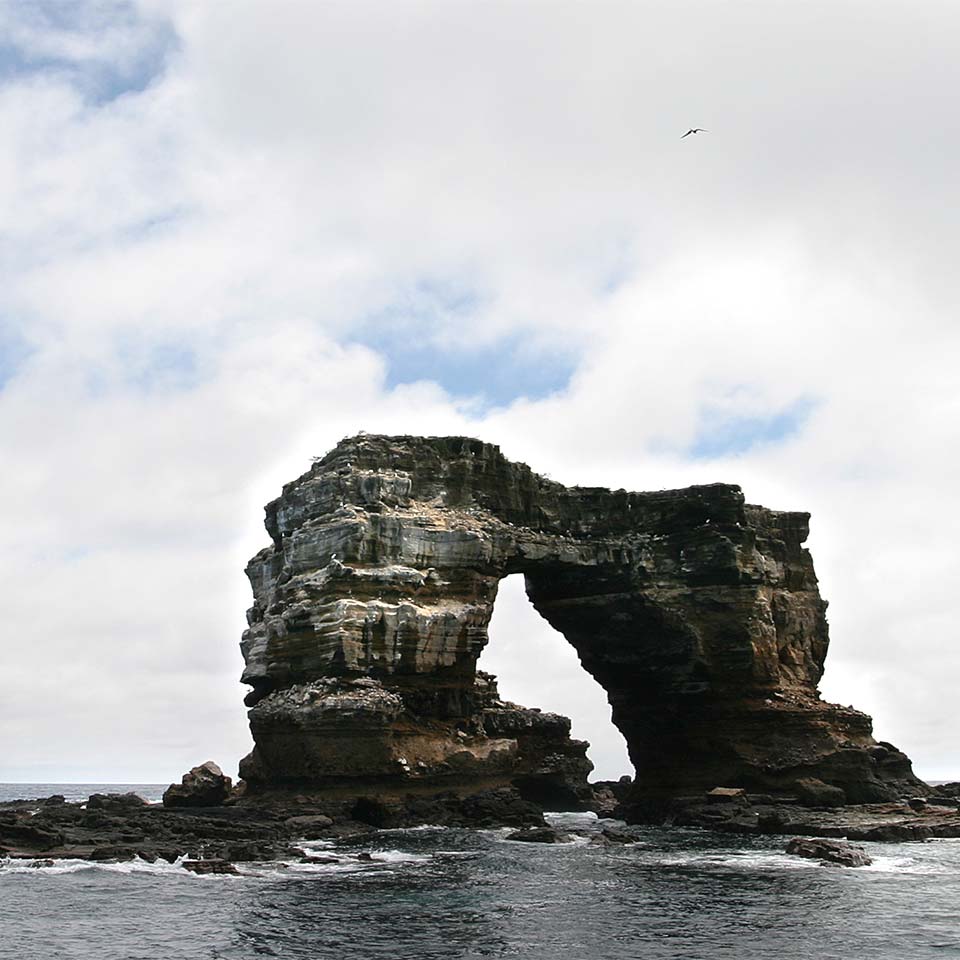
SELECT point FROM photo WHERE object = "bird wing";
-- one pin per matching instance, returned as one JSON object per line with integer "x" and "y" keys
{"x": 687, "y": 134}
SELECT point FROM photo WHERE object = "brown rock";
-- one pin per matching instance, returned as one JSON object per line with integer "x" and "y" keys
{"x": 815, "y": 793}
{"x": 726, "y": 795}
{"x": 203, "y": 786}
{"x": 829, "y": 851}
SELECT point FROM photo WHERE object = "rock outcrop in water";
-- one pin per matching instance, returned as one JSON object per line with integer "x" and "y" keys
{"x": 203, "y": 786}
{"x": 698, "y": 613}
{"x": 829, "y": 851}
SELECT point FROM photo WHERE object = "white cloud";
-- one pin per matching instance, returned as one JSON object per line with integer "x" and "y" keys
{"x": 189, "y": 261}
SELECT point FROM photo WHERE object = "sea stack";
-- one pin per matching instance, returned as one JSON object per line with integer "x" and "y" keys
{"x": 697, "y": 612}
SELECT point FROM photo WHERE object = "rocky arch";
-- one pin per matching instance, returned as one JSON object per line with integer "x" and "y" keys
{"x": 699, "y": 614}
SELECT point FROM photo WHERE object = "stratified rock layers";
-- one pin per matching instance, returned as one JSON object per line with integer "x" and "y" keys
{"x": 699, "y": 614}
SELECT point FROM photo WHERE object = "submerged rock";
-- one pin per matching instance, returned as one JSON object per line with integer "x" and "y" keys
{"x": 209, "y": 866}
{"x": 539, "y": 835}
{"x": 116, "y": 852}
{"x": 617, "y": 835}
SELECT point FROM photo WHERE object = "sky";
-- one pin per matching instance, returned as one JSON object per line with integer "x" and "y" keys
{"x": 233, "y": 233}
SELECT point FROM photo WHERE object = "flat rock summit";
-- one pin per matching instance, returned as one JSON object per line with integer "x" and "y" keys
{"x": 698, "y": 613}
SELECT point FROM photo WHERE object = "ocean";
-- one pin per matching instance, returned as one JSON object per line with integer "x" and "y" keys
{"x": 452, "y": 893}
{"x": 78, "y": 792}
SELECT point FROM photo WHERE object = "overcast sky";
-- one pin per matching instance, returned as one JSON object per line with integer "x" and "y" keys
{"x": 232, "y": 233}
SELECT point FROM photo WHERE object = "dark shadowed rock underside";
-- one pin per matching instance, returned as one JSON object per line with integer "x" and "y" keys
{"x": 698, "y": 613}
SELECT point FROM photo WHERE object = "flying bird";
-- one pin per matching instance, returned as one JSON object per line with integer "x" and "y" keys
{"x": 694, "y": 130}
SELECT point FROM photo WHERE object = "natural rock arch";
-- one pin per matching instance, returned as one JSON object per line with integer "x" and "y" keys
{"x": 699, "y": 614}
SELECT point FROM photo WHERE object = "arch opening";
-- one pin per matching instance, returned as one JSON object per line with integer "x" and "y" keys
{"x": 536, "y": 666}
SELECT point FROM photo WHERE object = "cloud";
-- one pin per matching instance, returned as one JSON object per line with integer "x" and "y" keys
{"x": 233, "y": 234}
{"x": 724, "y": 432}
{"x": 105, "y": 48}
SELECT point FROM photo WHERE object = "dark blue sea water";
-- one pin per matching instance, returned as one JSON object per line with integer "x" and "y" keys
{"x": 432, "y": 893}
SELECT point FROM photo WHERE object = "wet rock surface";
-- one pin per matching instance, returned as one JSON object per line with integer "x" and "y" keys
{"x": 267, "y": 830}
{"x": 765, "y": 814}
{"x": 538, "y": 835}
{"x": 698, "y": 613}
{"x": 829, "y": 851}
{"x": 272, "y": 828}
{"x": 205, "y": 867}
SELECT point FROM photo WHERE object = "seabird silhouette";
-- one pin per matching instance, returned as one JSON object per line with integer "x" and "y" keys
{"x": 694, "y": 130}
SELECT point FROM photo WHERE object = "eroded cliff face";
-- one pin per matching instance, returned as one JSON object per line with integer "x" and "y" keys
{"x": 699, "y": 614}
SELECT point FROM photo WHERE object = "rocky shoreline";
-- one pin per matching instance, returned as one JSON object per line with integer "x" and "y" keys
{"x": 119, "y": 827}
{"x": 914, "y": 819}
